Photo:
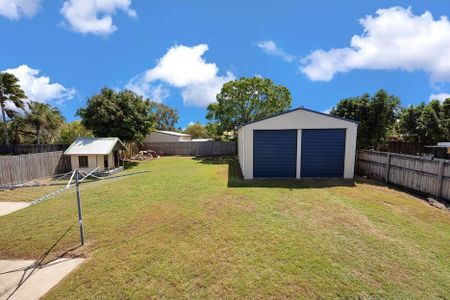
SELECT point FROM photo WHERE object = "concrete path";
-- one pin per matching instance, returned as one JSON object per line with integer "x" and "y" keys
{"x": 9, "y": 207}
{"x": 20, "y": 280}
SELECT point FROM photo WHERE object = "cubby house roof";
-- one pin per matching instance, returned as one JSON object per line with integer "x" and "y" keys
{"x": 87, "y": 146}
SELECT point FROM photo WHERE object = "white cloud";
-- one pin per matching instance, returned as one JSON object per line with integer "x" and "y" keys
{"x": 271, "y": 48}
{"x": 16, "y": 9}
{"x": 184, "y": 67}
{"x": 159, "y": 93}
{"x": 39, "y": 88}
{"x": 440, "y": 97}
{"x": 327, "y": 111}
{"x": 393, "y": 39}
{"x": 94, "y": 16}
{"x": 140, "y": 86}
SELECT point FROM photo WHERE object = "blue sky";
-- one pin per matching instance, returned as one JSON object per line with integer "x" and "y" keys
{"x": 181, "y": 52}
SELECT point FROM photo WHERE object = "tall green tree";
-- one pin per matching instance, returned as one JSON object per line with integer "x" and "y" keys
{"x": 446, "y": 119}
{"x": 377, "y": 115}
{"x": 426, "y": 123}
{"x": 213, "y": 132}
{"x": 429, "y": 123}
{"x": 121, "y": 114}
{"x": 197, "y": 131}
{"x": 163, "y": 116}
{"x": 246, "y": 100}
{"x": 43, "y": 119}
{"x": 10, "y": 90}
{"x": 71, "y": 131}
{"x": 408, "y": 125}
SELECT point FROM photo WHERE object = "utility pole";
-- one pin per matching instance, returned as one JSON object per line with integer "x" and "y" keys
{"x": 80, "y": 214}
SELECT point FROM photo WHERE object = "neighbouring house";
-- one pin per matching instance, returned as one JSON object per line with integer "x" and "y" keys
{"x": 161, "y": 136}
{"x": 441, "y": 150}
{"x": 298, "y": 143}
{"x": 201, "y": 140}
{"x": 91, "y": 153}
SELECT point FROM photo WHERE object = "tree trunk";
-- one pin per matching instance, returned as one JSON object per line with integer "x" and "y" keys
{"x": 5, "y": 129}
{"x": 37, "y": 135}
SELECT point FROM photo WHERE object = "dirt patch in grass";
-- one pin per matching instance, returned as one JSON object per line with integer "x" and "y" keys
{"x": 322, "y": 211}
{"x": 229, "y": 203}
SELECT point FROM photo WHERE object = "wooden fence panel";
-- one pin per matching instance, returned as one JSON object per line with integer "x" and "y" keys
{"x": 431, "y": 177}
{"x": 209, "y": 148}
{"x": 31, "y": 148}
{"x": 23, "y": 168}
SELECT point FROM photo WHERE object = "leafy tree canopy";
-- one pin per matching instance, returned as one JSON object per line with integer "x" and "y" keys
{"x": 39, "y": 123}
{"x": 71, "y": 131}
{"x": 246, "y": 100}
{"x": 43, "y": 119}
{"x": 163, "y": 117}
{"x": 446, "y": 119}
{"x": 426, "y": 123}
{"x": 197, "y": 131}
{"x": 11, "y": 91}
{"x": 121, "y": 114}
{"x": 377, "y": 115}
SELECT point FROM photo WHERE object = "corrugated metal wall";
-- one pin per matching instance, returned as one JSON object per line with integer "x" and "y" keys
{"x": 298, "y": 120}
{"x": 275, "y": 153}
{"x": 323, "y": 153}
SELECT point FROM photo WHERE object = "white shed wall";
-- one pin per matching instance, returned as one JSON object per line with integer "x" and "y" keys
{"x": 94, "y": 161}
{"x": 157, "y": 137}
{"x": 297, "y": 119}
{"x": 241, "y": 150}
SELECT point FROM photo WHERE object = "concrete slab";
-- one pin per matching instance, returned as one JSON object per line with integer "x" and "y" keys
{"x": 9, "y": 207}
{"x": 20, "y": 280}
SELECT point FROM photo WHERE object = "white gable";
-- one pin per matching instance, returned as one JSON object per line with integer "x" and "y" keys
{"x": 85, "y": 146}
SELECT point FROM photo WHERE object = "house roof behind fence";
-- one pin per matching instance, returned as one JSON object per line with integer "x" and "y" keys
{"x": 86, "y": 146}
{"x": 173, "y": 133}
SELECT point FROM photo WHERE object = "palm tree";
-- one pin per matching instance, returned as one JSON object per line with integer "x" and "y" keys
{"x": 10, "y": 90}
{"x": 42, "y": 118}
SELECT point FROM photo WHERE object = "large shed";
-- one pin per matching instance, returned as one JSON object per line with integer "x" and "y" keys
{"x": 163, "y": 136}
{"x": 92, "y": 153}
{"x": 298, "y": 143}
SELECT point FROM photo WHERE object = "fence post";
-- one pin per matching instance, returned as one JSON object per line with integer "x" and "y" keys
{"x": 80, "y": 214}
{"x": 440, "y": 178}
{"x": 388, "y": 166}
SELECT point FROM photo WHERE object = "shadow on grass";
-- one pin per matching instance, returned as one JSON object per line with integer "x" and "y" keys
{"x": 29, "y": 270}
{"x": 415, "y": 193}
{"x": 235, "y": 178}
{"x": 128, "y": 165}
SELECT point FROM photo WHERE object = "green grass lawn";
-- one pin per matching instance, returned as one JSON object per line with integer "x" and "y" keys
{"x": 191, "y": 228}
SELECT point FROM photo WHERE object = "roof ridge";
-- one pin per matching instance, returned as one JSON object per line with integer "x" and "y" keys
{"x": 299, "y": 108}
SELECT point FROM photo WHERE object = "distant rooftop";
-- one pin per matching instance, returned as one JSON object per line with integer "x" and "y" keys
{"x": 201, "y": 140}
{"x": 440, "y": 145}
{"x": 173, "y": 133}
{"x": 87, "y": 146}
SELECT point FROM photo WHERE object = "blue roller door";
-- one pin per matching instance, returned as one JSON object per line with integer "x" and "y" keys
{"x": 274, "y": 153}
{"x": 322, "y": 153}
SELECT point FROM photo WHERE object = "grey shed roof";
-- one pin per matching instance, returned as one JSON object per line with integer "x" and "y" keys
{"x": 172, "y": 133}
{"x": 86, "y": 146}
{"x": 300, "y": 108}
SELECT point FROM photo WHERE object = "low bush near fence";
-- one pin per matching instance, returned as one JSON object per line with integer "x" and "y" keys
{"x": 431, "y": 177}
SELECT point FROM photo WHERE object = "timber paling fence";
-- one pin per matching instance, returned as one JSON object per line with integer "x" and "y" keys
{"x": 207, "y": 148}
{"x": 31, "y": 148}
{"x": 431, "y": 177}
{"x": 19, "y": 169}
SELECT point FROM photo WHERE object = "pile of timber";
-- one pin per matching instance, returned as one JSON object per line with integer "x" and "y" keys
{"x": 145, "y": 155}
